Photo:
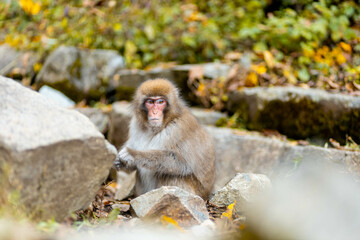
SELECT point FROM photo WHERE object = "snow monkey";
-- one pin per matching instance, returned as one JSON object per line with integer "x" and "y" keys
{"x": 166, "y": 144}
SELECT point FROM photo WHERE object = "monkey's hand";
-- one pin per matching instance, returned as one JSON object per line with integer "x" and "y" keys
{"x": 124, "y": 159}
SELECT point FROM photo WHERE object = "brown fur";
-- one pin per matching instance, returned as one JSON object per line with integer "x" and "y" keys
{"x": 178, "y": 153}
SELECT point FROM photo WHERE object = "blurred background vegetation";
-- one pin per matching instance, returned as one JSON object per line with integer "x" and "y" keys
{"x": 280, "y": 42}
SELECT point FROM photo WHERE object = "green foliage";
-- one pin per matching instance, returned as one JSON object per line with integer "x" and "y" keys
{"x": 309, "y": 42}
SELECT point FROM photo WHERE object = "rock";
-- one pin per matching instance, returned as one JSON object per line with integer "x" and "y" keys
{"x": 184, "y": 207}
{"x": 206, "y": 116}
{"x": 119, "y": 123}
{"x": 80, "y": 73}
{"x": 211, "y": 70}
{"x": 126, "y": 81}
{"x": 125, "y": 183}
{"x": 16, "y": 64}
{"x": 181, "y": 76}
{"x": 298, "y": 113}
{"x": 57, "y": 97}
{"x": 317, "y": 201}
{"x": 54, "y": 156}
{"x": 97, "y": 116}
{"x": 243, "y": 188}
{"x": 121, "y": 207}
{"x": 247, "y": 153}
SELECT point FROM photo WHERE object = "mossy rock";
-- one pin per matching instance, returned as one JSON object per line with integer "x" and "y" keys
{"x": 298, "y": 113}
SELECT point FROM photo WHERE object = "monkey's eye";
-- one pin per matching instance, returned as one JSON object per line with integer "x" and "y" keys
{"x": 149, "y": 101}
{"x": 160, "y": 101}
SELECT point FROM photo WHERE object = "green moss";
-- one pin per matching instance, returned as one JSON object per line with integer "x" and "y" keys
{"x": 303, "y": 118}
{"x": 75, "y": 69}
{"x": 124, "y": 93}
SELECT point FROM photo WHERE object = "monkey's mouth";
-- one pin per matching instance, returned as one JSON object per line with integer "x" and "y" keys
{"x": 155, "y": 119}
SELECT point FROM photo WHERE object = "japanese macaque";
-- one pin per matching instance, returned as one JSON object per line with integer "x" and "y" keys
{"x": 166, "y": 144}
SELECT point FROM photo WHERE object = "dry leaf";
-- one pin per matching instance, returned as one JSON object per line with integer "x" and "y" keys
{"x": 229, "y": 211}
{"x": 335, "y": 143}
{"x": 251, "y": 80}
{"x": 165, "y": 220}
{"x": 269, "y": 59}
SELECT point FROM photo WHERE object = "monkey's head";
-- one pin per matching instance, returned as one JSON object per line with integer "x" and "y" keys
{"x": 157, "y": 103}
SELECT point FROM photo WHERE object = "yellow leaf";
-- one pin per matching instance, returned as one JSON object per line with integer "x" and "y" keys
{"x": 165, "y": 220}
{"x": 112, "y": 184}
{"x": 346, "y": 47}
{"x": 117, "y": 27}
{"x": 37, "y": 67}
{"x": 290, "y": 76}
{"x": 269, "y": 59}
{"x": 260, "y": 69}
{"x": 30, "y": 7}
{"x": 340, "y": 59}
{"x": 229, "y": 211}
{"x": 64, "y": 23}
{"x": 251, "y": 80}
{"x": 201, "y": 89}
{"x": 35, "y": 8}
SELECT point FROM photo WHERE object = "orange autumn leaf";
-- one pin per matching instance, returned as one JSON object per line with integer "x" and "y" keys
{"x": 340, "y": 59}
{"x": 346, "y": 47}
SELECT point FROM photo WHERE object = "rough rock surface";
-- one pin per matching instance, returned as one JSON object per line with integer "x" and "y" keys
{"x": 98, "y": 117}
{"x": 80, "y": 73}
{"x": 54, "y": 157}
{"x": 207, "y": 116}
{"x": 125, "y": 183}
{"x": 246, "y": 153}
{"x": 119, "y": 123}
{"x": 318, "y": 201}
{"x": 298, "y": 113}
{"x": 14, "y": 63}
{"x": 184, "y": 207}
{"x": 243, "y": 188}
{"x": 56, "y": 96}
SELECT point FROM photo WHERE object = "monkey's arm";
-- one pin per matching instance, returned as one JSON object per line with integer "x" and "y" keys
{"x": 161, "y": 161}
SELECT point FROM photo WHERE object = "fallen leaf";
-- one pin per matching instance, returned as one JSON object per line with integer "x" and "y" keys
{"x": 346, "y": 47}
{"x": 269, "y": 59}
{"x": 229, "y": 211}
{"x": 251, "y": 80}
{"x": 335, "y": 143}
{"x": 165, "y": 220}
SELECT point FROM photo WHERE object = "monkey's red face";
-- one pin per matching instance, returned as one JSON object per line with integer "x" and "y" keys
{"x": 155, "y": 107}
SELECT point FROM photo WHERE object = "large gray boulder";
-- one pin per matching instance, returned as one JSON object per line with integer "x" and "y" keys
{"x": 237, "y": 152}
{"x": 80, "y": 73}
{"x": 53, "y": 156}
{"x": 298, "y": 113}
